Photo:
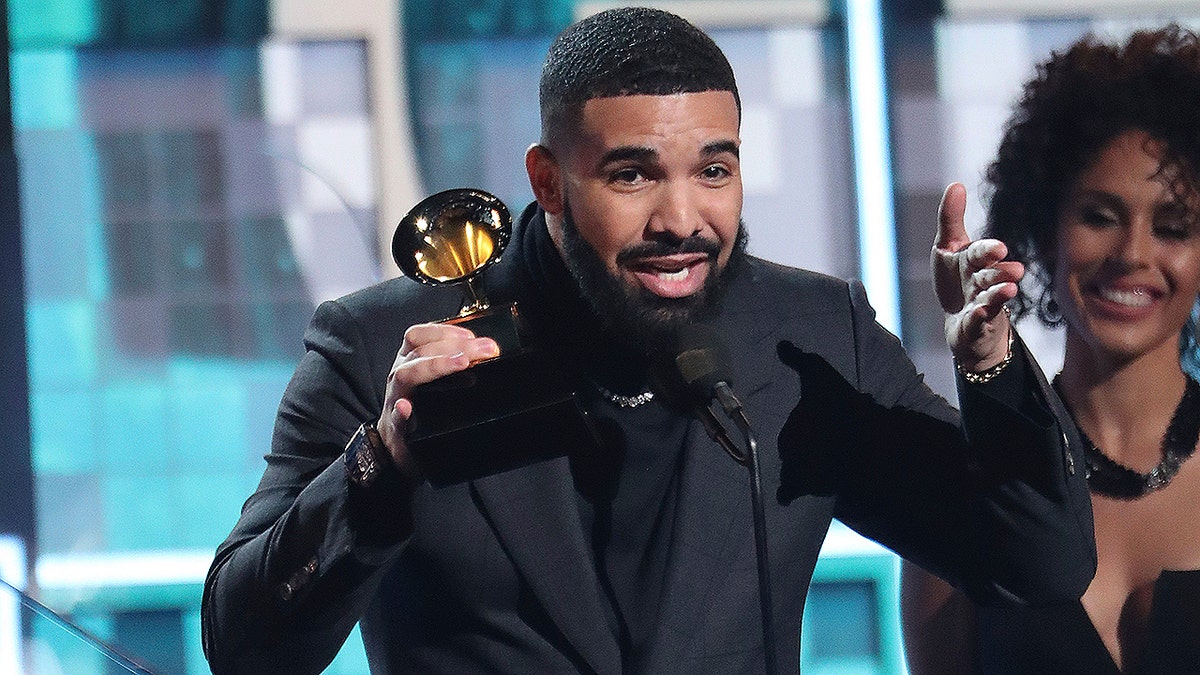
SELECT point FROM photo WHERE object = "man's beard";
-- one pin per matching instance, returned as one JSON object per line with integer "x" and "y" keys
{"x": 631, "y": 314}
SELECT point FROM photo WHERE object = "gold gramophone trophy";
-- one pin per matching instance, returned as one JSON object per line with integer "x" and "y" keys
{"x": 449, "y": 238}
{"x": 498, "y": 414}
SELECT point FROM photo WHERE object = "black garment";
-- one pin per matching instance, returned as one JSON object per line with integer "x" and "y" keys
{"x": 628, "y": 491}
{"x": 630, "y": 525}
{"x": 1061, "y": 640}
{"x": 496, "y": 575}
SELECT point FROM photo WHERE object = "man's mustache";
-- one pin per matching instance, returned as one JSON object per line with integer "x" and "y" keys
{"x": 654, "y": 249}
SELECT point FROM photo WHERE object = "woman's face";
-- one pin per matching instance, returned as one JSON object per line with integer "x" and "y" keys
{"x": 1127, "y": 266}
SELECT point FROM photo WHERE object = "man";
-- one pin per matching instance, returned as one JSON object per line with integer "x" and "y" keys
{"x": 639, "y": 557}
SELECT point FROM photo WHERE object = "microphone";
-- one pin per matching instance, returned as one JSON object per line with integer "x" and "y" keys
{"x": 702, "y": 362}
{"x": 702, "y": 368}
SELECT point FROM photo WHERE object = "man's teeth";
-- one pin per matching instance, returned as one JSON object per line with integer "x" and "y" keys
{"x": 1137, "y": 298}
{"x": 678, "y": 275}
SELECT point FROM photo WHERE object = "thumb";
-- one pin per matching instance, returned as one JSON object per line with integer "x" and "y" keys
{"x": 952, "y": 232}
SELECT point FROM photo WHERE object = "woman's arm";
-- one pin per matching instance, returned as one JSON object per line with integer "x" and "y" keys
{"x": 937, "y": 621}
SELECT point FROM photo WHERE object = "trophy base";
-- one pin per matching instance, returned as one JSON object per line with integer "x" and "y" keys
{"x": 497, "y": 415}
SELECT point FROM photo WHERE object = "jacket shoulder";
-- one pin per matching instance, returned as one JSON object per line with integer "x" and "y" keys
{"x": 400, "y": 299}
{"x": 801, "y": 289}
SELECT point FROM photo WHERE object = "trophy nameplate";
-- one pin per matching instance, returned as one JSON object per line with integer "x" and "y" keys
{"x": 508, "y": 411}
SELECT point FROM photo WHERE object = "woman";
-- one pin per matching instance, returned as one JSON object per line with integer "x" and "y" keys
{"x": 1096, "y": 189}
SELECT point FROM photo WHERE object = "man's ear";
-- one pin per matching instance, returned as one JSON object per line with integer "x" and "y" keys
{"x": 545, "y": 177}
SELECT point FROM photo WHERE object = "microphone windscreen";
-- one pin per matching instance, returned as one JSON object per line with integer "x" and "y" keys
{"x": 701, "y": 360}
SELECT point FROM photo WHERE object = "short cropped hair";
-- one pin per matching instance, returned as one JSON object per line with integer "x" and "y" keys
{"x": 624, "y": 52}
{"x": 1078, "y": 102}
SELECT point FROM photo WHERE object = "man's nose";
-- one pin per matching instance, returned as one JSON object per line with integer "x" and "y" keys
{"x": 677, "y": 213}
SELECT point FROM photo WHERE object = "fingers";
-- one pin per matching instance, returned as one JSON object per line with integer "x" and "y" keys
{"x": 990, "y": 303}
{"x": 392, "y": 425}
{"x": 979, "y": 318}
{"x": 1014, "y": 270}
{"x": 952, "y": 231}
{"x": 428, "y": 352}
{"x": 431, "y": 350}
{"x": 396, "y": 415}
{"x": 402, "y": 410}
{"x": 418, "y": 370}
{"x": 429, "y": 356}
{"x": 996, "y": 274}
{"x": 427, "y": 333}
{"x": 960, "y": 276}
{"x": 982, "y": 253}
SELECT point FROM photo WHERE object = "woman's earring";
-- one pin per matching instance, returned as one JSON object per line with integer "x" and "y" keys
{"x": 1048, "y": 310}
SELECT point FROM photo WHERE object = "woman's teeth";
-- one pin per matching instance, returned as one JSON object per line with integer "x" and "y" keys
{"x": 1134, "y": 298}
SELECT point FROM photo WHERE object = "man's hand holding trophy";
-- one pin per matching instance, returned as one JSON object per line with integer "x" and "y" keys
{"x": 460, "y": 421}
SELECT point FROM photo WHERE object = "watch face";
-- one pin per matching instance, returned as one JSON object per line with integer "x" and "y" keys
{"x": 361, "y": 457}
{"x": 366, "y": 462}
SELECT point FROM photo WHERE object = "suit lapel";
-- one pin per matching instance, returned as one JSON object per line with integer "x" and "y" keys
{"x": 712, "y": 512}
{"x": 534, "y": 512}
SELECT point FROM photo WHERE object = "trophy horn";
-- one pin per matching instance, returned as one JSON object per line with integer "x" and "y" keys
{"x": 450, "y": 237}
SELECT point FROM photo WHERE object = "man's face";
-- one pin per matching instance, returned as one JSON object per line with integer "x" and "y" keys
{"x": 651, "y": 194}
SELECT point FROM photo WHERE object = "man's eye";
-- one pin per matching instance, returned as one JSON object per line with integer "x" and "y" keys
{"x": 714, "y": 172}
{"x": 629, "y": 175}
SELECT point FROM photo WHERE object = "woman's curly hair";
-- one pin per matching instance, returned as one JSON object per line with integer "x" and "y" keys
{"x": 1080, "y": 100}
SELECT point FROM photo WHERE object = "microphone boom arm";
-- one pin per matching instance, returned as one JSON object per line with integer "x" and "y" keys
{"x": 717, "y": 432}
{"x": 733, "y": 409}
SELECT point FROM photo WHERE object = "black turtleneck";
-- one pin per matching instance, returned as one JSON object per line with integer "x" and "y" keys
{"x": 628, "y": 492}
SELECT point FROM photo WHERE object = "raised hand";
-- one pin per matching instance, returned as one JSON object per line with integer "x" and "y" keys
{"x": 972, "y": 281}
{"x": 429, "y": 351}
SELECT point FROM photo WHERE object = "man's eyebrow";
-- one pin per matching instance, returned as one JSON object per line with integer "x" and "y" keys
{"x": 645, "y": 154}
{"x": 629, "y": 152}
{"x": 719, "y": 147}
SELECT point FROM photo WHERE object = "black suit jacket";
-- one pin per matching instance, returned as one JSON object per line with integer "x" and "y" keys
{"x": 494, "y": 575}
